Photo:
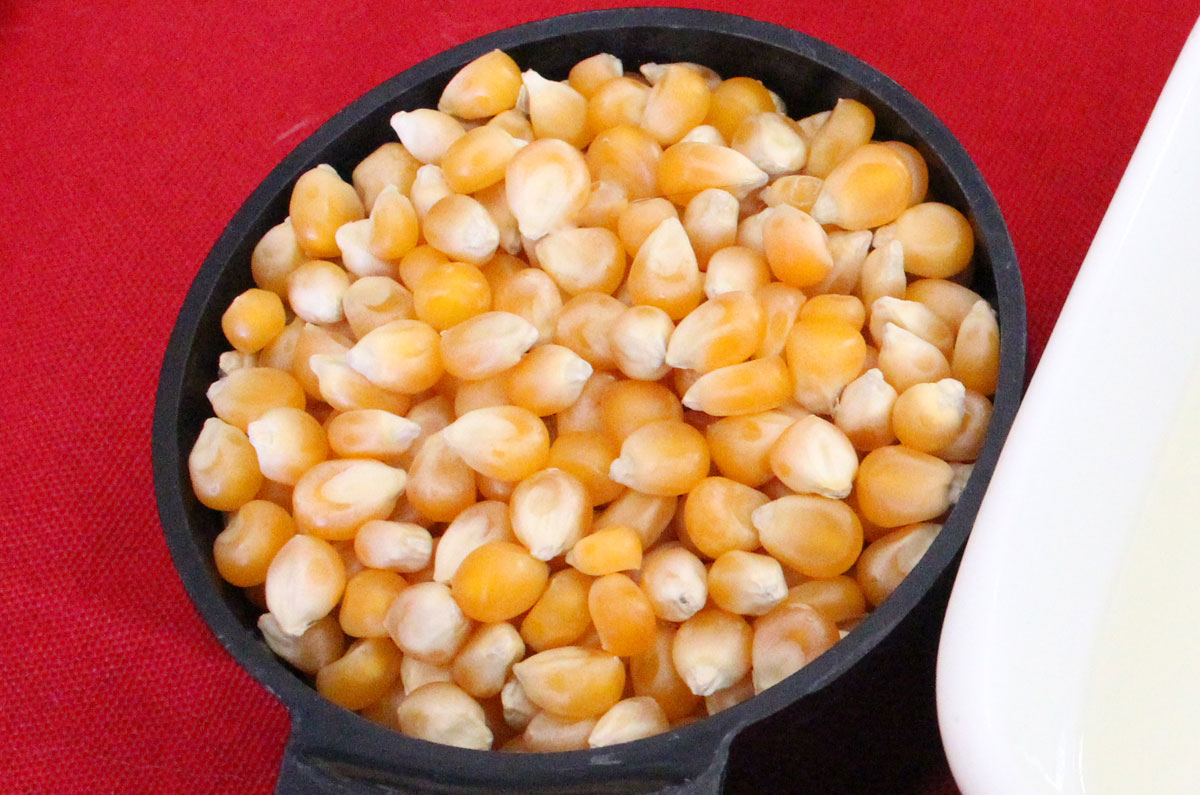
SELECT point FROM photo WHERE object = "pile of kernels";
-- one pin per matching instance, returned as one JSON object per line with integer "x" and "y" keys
{"x": 573, "y": 411}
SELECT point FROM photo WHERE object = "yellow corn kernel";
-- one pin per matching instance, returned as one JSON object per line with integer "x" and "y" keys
{"x": 361, "y": 676}
{"x": 870, "y": 187}
{"x": 628, "y": 720}
{"x": 417, "y": 262}
{"x": 750, "y": 230}
{"x": 246, "y": 546}
{"x": 648, "y": 514}
{"x": 426, "y": 622}
{"x": 741, "y": 445}
{"x": 745, "y": 583}
{"x": 531, "y": 294}
{"x": 547, "y": 380}
{"x": 686, "y": 168}
{"x": 849, "y": 252}
{"x": 653, "y": 73}
{"x": 906, "y": 359}
{"x": 275, "y": 256}
{"x": 652, "y": 674}
{"x": 372, "y": 301}
{"x": 723, "y": 331}
{"x": 771, "y": 143}
{"x": 639, "y": 219}
{"x": 390, "y": 164}
{"x": 345, "y": 389}
{"x": 918, "y": 171}
{"x": 927, "y": 416}
{"x": 310, "y": 651}
{"x": 223, "y": 467}
{"x": 440, "y": 483}
{"x": 628, "y": 156}
{"x": 840, "y": 598}
{"x": 461, "y": 228}
{"x": 287, "y": 443}
{"x": 796, "y": 247}
{"x": 747, "y": 388}
{"x": 315, "y": 291}
{"x": 494, "y": 199}
{"x": 816, "y": 536}
{"x": 797, "y": 190}
{"x": 677, "y": 102}
{"x": 607, "y": 551}
{"x": 813, "y": 456}
{"x": 486, "y": 86}
{"x": 948, "y": 300}
{"x": 441, "y": 712}
{"x": 334, "y": 498}
{"x": 502, "y": 442}
{"x": 584, "y": 414}
{"x": 478, "y": 159}
{"x": 429, "y": 187}
{"x": 735, "y": 99}
{"x": 844, "y": 308}
{"x": 486, "y": 345}
{"x": 560, "y": 615}
{"x": 622, "y": 615}
{"x": 665, "y": 272}
{"x": 354, "y": 241}
{"x": 711, "y": 650}
{"x": 888, "y": 560}
{"x": 547, "y": 733}
{"x": 882, "y": 274}
{"x": 486, "y": 659}
{"x": 781, "y": 305}
{"x": 517, "y": 709}
{"x": 977, "y": 414}
{"x": 427, "y": 134}
{"x": 787, "y": 639}
{"x": 371, "y": 433}
{"x": 587, "y": 455}
{"x": 848, "y": 127}
{"x": 572, "y": 682}
{"x": 717, "y": 513}
{"x": 321, "y": 202}
{"x": 937, "y": 240}
{"x": 583, "y": 326}
{"x": 730, "y": 696}
{"x": 619, "y": 101}
{"x": 604, "y": 206}
{"x": 734, "y": 269}
{"x": 628, "y": 405}
{"x": 550, "y": 511}
{"x": 547, "y": 183}
{"x": 665, "y": 458}
{"x": 864, "y": 411}
{"x": 253, "y": 319}
{"x": 304, "y": 583}
{"x": 914, "y": 317}
{"x": 976, "y": 359}
{"x": 675, "y": 582}
{"x": 402, "y": 356}
{"x": 823, "y": 356}
{"x": 638, "y": 342}
{"x": 898, "y": 486}
{"x": 589, "y": 74}
{"x": 393, "y": 546}
{"x": 556, "y": 110}
{"x": 366, "y": 600}
{"x": 583, "y": 260}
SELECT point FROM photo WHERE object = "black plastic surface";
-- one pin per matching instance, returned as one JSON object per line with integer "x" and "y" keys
{"x": 858, "y": 719}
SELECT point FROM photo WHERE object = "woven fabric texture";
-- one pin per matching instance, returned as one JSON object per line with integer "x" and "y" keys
{"x": 131, "y": 131}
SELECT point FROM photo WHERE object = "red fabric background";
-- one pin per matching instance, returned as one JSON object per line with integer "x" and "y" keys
{"x": 131, "y": 131}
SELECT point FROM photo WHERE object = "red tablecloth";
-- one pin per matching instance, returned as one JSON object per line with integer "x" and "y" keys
{"x": 129, "y": 134}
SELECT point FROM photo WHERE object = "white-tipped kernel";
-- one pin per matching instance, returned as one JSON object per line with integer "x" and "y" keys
{"x": 711, "y": 651}
{"x": 771, "y": 143}
{"x": 555, "y": 109}
{"x": 705, "y": 134}
{"x": 462, "y": 229}
{"x": 882, "y": 274}
{"x": 638, "y": 341}
{"x": 907, "y": 359}
{"x": 911, "y": 316}
{"x": 550, "y": 511}
{"x": 486, "y": 659}
{"x": 364, "y": 480}
{"x": 481, "y": 523}
{"x": 426, "y": 622}
{"x": 416, "y": 673}
{"x": 315, "y": 291}
{"x": 354, "y": 240}
{"x": 312, "y": 650}
{"x": 429, "y": 187}
{"x": 547, "y": 183}
{"x": 676, "y": 583}
{"x": 746, "y": 583}
{"x": 486, "y": 345}
{"x": 628, "y": 720}
{"x": 427, "y": 133}
{"x": 864, "y": 410}
{"x": 442, "y": 712}
{"x": 229, "y": 361}
{"x": 813, "y": 456}
{"x": 304, "y": 583}
{"x": 518, "y": 709}
{"x": 393, "y": 546}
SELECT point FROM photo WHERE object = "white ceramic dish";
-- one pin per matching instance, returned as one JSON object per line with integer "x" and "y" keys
{"x": 1070, "y": 654}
